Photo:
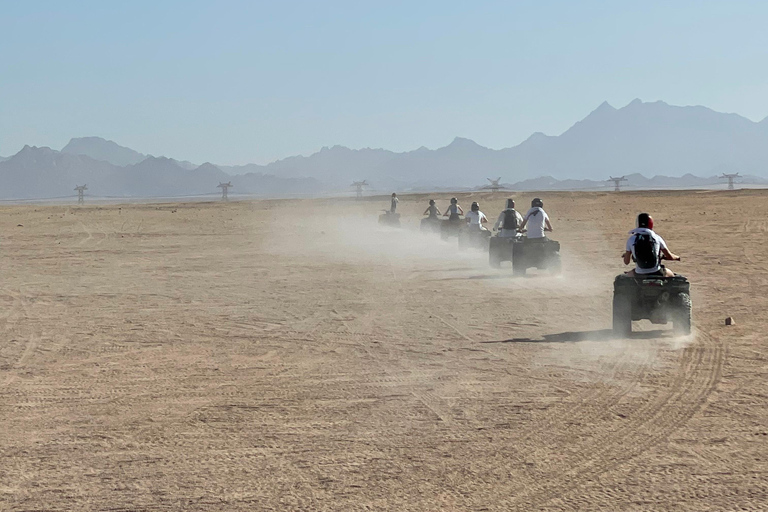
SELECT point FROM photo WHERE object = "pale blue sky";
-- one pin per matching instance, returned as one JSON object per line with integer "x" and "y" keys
{"x": 234, "y": 82}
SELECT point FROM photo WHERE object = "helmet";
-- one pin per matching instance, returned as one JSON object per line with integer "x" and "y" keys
{"x": 431, "y": 202}
{"x": 537, "y": 202}
{"x": 454, "y": 200}
{"x": 644, "y": 220}
{"x": 510, "y": 203}
{"x": 394, "y": 195}
{"x": 475, "y": 206}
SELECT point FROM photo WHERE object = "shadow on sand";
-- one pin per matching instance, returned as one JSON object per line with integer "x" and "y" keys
{"x": 599, "y": 335}
{"x": 494, "y": 276}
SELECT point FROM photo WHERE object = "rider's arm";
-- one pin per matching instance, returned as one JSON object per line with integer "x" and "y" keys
{"x": 437, "y": 211}
{"x": 627, "y": 257}
{"x": 499, "y": 222}
{"x": 546, "y": 222}
{"x": 483, "y": 219}
{"x": 522, "y": 226}
{"x": 668, "y": 255}
{"x": 427, "y": 211}
{"x": 461, "y": 210}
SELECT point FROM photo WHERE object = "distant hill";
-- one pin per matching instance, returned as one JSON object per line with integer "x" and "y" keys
{"x": 674, "y": 145}
{"x": 41, "y": 172}
{"x": 109, "y": 151}
{"x": 647, "y": 138}
{"x": 102, "y": 149}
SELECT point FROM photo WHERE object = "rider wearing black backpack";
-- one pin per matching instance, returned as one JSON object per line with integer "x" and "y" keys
{"x": 509, "y": 220}
{"x": 646, "y": 248}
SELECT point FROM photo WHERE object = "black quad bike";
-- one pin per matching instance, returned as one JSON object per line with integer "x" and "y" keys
{"x": 501, "y": 249}
{"x": 473, "y": 238}
{"x": 450, "y": 228}
{"x": 431, "y": 224}
{"x": 525, "y": 253}
{"x": 389, "y": 218}
{"x": 655, "y": 298}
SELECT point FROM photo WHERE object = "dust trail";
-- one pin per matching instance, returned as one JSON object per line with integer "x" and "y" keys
{"x": 574, "y": 307}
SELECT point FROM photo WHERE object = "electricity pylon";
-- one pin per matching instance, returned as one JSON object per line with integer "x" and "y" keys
{"x": 617, "y": 182}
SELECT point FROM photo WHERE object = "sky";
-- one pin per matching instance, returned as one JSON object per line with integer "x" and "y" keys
{"x": 234, "y": 82}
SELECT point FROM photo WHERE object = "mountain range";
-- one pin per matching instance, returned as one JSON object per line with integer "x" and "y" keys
{"x": 673, "y": 144}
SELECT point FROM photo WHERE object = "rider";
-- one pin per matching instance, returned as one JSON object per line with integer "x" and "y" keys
{"x": 393, "y": 205}
{"x": 509, "y": 220}
{"x": 476, "y": 218}
{"x": 432, "y": 210}
{"x": 454, "y": 210}
{"x": 646, "y": 247}
{"x": 537, "y": 220}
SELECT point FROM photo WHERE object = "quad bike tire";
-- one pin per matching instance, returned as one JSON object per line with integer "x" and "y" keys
{"x": 681, "y": 321}
{"x": 555, "y": 265}
{"x": 494, "y": 257}
{"x": 622, "y": 315}
{"x": 463, "y": 240}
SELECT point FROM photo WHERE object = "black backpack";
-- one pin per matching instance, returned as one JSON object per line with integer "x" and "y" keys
{"x": 646, "y": 253}
{"x": 510, "y": 219}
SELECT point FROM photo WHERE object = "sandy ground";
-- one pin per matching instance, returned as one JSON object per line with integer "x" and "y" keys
{"x": 297, "y": 356}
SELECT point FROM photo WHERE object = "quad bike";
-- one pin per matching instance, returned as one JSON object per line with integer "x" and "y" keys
{"x": 524, "y": 252}
{"x": 431, "y": 224}
{"x": 653, "y": 297}
{"x": 473, "y": 238}
{"x": 501, "y": 248}
{"x": 390, "y": 219}
{"x": 451, "y": 227}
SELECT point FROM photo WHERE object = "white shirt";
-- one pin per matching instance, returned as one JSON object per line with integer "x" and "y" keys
{"x": 658, "y": 243}
{"x": 475, "y": 218}
{"x": 536, "y": 218}
{"x": 500, "y": 222}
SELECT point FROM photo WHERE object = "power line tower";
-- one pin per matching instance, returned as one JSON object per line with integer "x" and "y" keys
{"x": 617, "y": 182}
{"x": 80, "y": 193}
{"x": 359, "y": 187}
{"x": 730, "y": 178}
{"x": 224, "y": 187}
{"x": 494, "y": 186}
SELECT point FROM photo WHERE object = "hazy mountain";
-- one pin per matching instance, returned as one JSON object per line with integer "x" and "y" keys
{"x": 672, "y": 144}
{"x": 109, "y": 151}
{"x": 648, "y": 138}
{"x": 37, "y": 172}
{"x": 102, "y": 149}
{"x": 45, "y": 173}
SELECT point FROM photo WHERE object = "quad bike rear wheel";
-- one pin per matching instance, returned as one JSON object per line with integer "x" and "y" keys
{"x": 622, "y": 315}
{"x": 494, "y": 257}
{"x": 555, "y": 265}
{"x": 681, "y": 321}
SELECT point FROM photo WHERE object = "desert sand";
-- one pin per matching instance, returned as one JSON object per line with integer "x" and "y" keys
{"x": 295, "y": 355}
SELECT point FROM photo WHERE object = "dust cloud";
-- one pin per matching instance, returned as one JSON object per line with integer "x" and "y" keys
{"x": 570, "y": 312}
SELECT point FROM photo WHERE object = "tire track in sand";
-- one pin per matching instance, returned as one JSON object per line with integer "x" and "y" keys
{"x": 625, "y": 374}
{"x": 19, "y": 312}
{"x": 698, "y": 371}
